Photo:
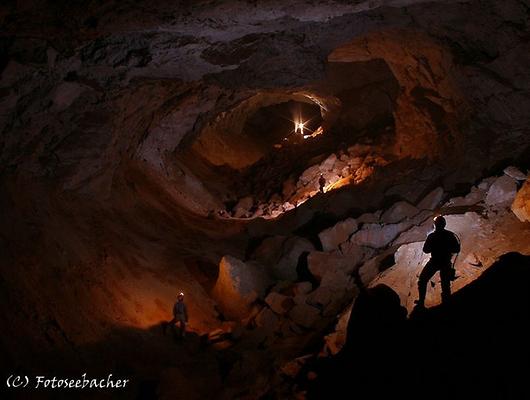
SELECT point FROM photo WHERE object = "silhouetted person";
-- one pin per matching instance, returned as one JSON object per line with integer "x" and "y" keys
{"x": 180, "y": 315}
{"x": 441, "y": 245}
{"x": 322, "y": 183}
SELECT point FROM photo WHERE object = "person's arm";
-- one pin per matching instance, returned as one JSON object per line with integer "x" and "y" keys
{"x": 456, "y": 245}
{"x": 427, "y": 247}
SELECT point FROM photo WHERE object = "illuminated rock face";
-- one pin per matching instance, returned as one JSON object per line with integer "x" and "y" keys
{"x": 501, "y": 192}
{"x": 331, "y": 238}
{"x": 521, "y": 204}
{"x": 238, "y": 286}
{"x": 132, "y": 137}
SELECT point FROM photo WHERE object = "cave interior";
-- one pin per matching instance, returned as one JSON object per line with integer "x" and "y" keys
{"x": 281, "y": 165}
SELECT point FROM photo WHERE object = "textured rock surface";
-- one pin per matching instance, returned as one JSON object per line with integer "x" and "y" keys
{"x": 378, "y": 236}
{"x": 432, "y": 200}
{"x": 278, "y": 303}
{"x": 331, "y": 238}
{"x": 293, "y": 248}
{"x": 521, "y": 204}
{"x": 515, "y": 173}
{"x": 305, "y": 315}
{"x": 239, "y": 284}
{"x": 501, "y": 192}
{"x": 130, "y": 130}
{"x": 398, "y": 212}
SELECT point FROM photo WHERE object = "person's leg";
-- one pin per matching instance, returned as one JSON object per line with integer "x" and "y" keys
{"x": 168, "y": 323}
{"x": 182, "y": 327}
{"x": 445, "y": 277}
{"x": 426, "y": 274}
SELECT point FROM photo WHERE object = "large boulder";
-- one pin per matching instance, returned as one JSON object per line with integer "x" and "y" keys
{"x": 432, "y": 200}
{"x": 292, "y": 249}
{"x": 321, "y": 263}
{"x": 502, "y": 191}
{"x": 370, "y": 218}
{"x": 334, "y": 271}
{"x": 289, "y": 188}
{"x": 378, "y": 236}
{"x": 309, "y": 175}
{"x": 369, "y": 270}
{"x": 243, "y": 207}
{"x": 302, "y": 288}
{"x": 305, "y": 315}
{"x": 515, "y": 173}
{"x": 475, "y": 196}
{"x": 360, "y": 253}
{"x": 279, "y": 303}
{"x": 328, "y": 163}
{"x": 270, "y": 250}
{"x": 416, "y": 233}
{"x": 281, "y": 254}
{"x": 267, "y": 320}
{"x": 332, "y": 237}
{"x": 521, "y": 204}
{"x": 398, "y": 212}
{"x": 239, "y": 284}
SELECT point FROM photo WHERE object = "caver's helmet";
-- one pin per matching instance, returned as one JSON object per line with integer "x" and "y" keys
{"x": 439, "y": 222}
{"x": 180, "y": 296}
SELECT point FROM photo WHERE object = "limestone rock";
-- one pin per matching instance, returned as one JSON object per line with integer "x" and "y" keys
{"x": 239, "y": 284}
{"x": 502, "y": 191}
{"x": 302, "y": 288}
{"x": 398, "y": 212}
{"x": 335, "y": 340}
{"x": 270, "y": 250}
{"x": 416, "y": 233}
{"x": 332, "y": 237}
{"x": 369, "y": 270}
{"x": 287, "y": 206}
{"x": 267, "y": 320}
{"x": 279, "y": 303}
{"x": 335, "y": 291}
{"x": 432, "y": 200}
{"x": 336, "y": 283}
{"x": 486, "y": 183}
{"x": 370, "y": 218}
{"x": 305, "y": 315}
{"x": 280, "y": 286}
{"x": 293, "y": 247}
{"x": 293, "y": 367}
{"x": 475, "y": 196}
{"x": 321, "y": 297}
{"x": 309, "y": 174}
{"x": 377, "y": 236}
{"x": 515, "y": 173}
{"x": 521, "y": 204}
{"x": 360, "y": 253}
{"x": 289, "y": 188}
{"x": 65, "y": 94}
{"x": 243, "y": 206}
{"x": 327, "y": 164}
{"x": 321, "y": 263}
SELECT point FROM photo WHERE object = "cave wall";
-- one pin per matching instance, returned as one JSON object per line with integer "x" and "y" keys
{"x": 96, "y": 104}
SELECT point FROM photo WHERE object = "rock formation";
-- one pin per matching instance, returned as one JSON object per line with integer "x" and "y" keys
{"x": 153, "y": 148}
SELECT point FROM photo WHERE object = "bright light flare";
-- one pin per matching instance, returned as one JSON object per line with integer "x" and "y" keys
{"x": 299, "y": 126}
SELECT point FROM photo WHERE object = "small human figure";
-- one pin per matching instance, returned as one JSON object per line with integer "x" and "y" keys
{"x": 441, "y": 245}
{"x": 180, "y": 314}
{"x": 322, "y": 183}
